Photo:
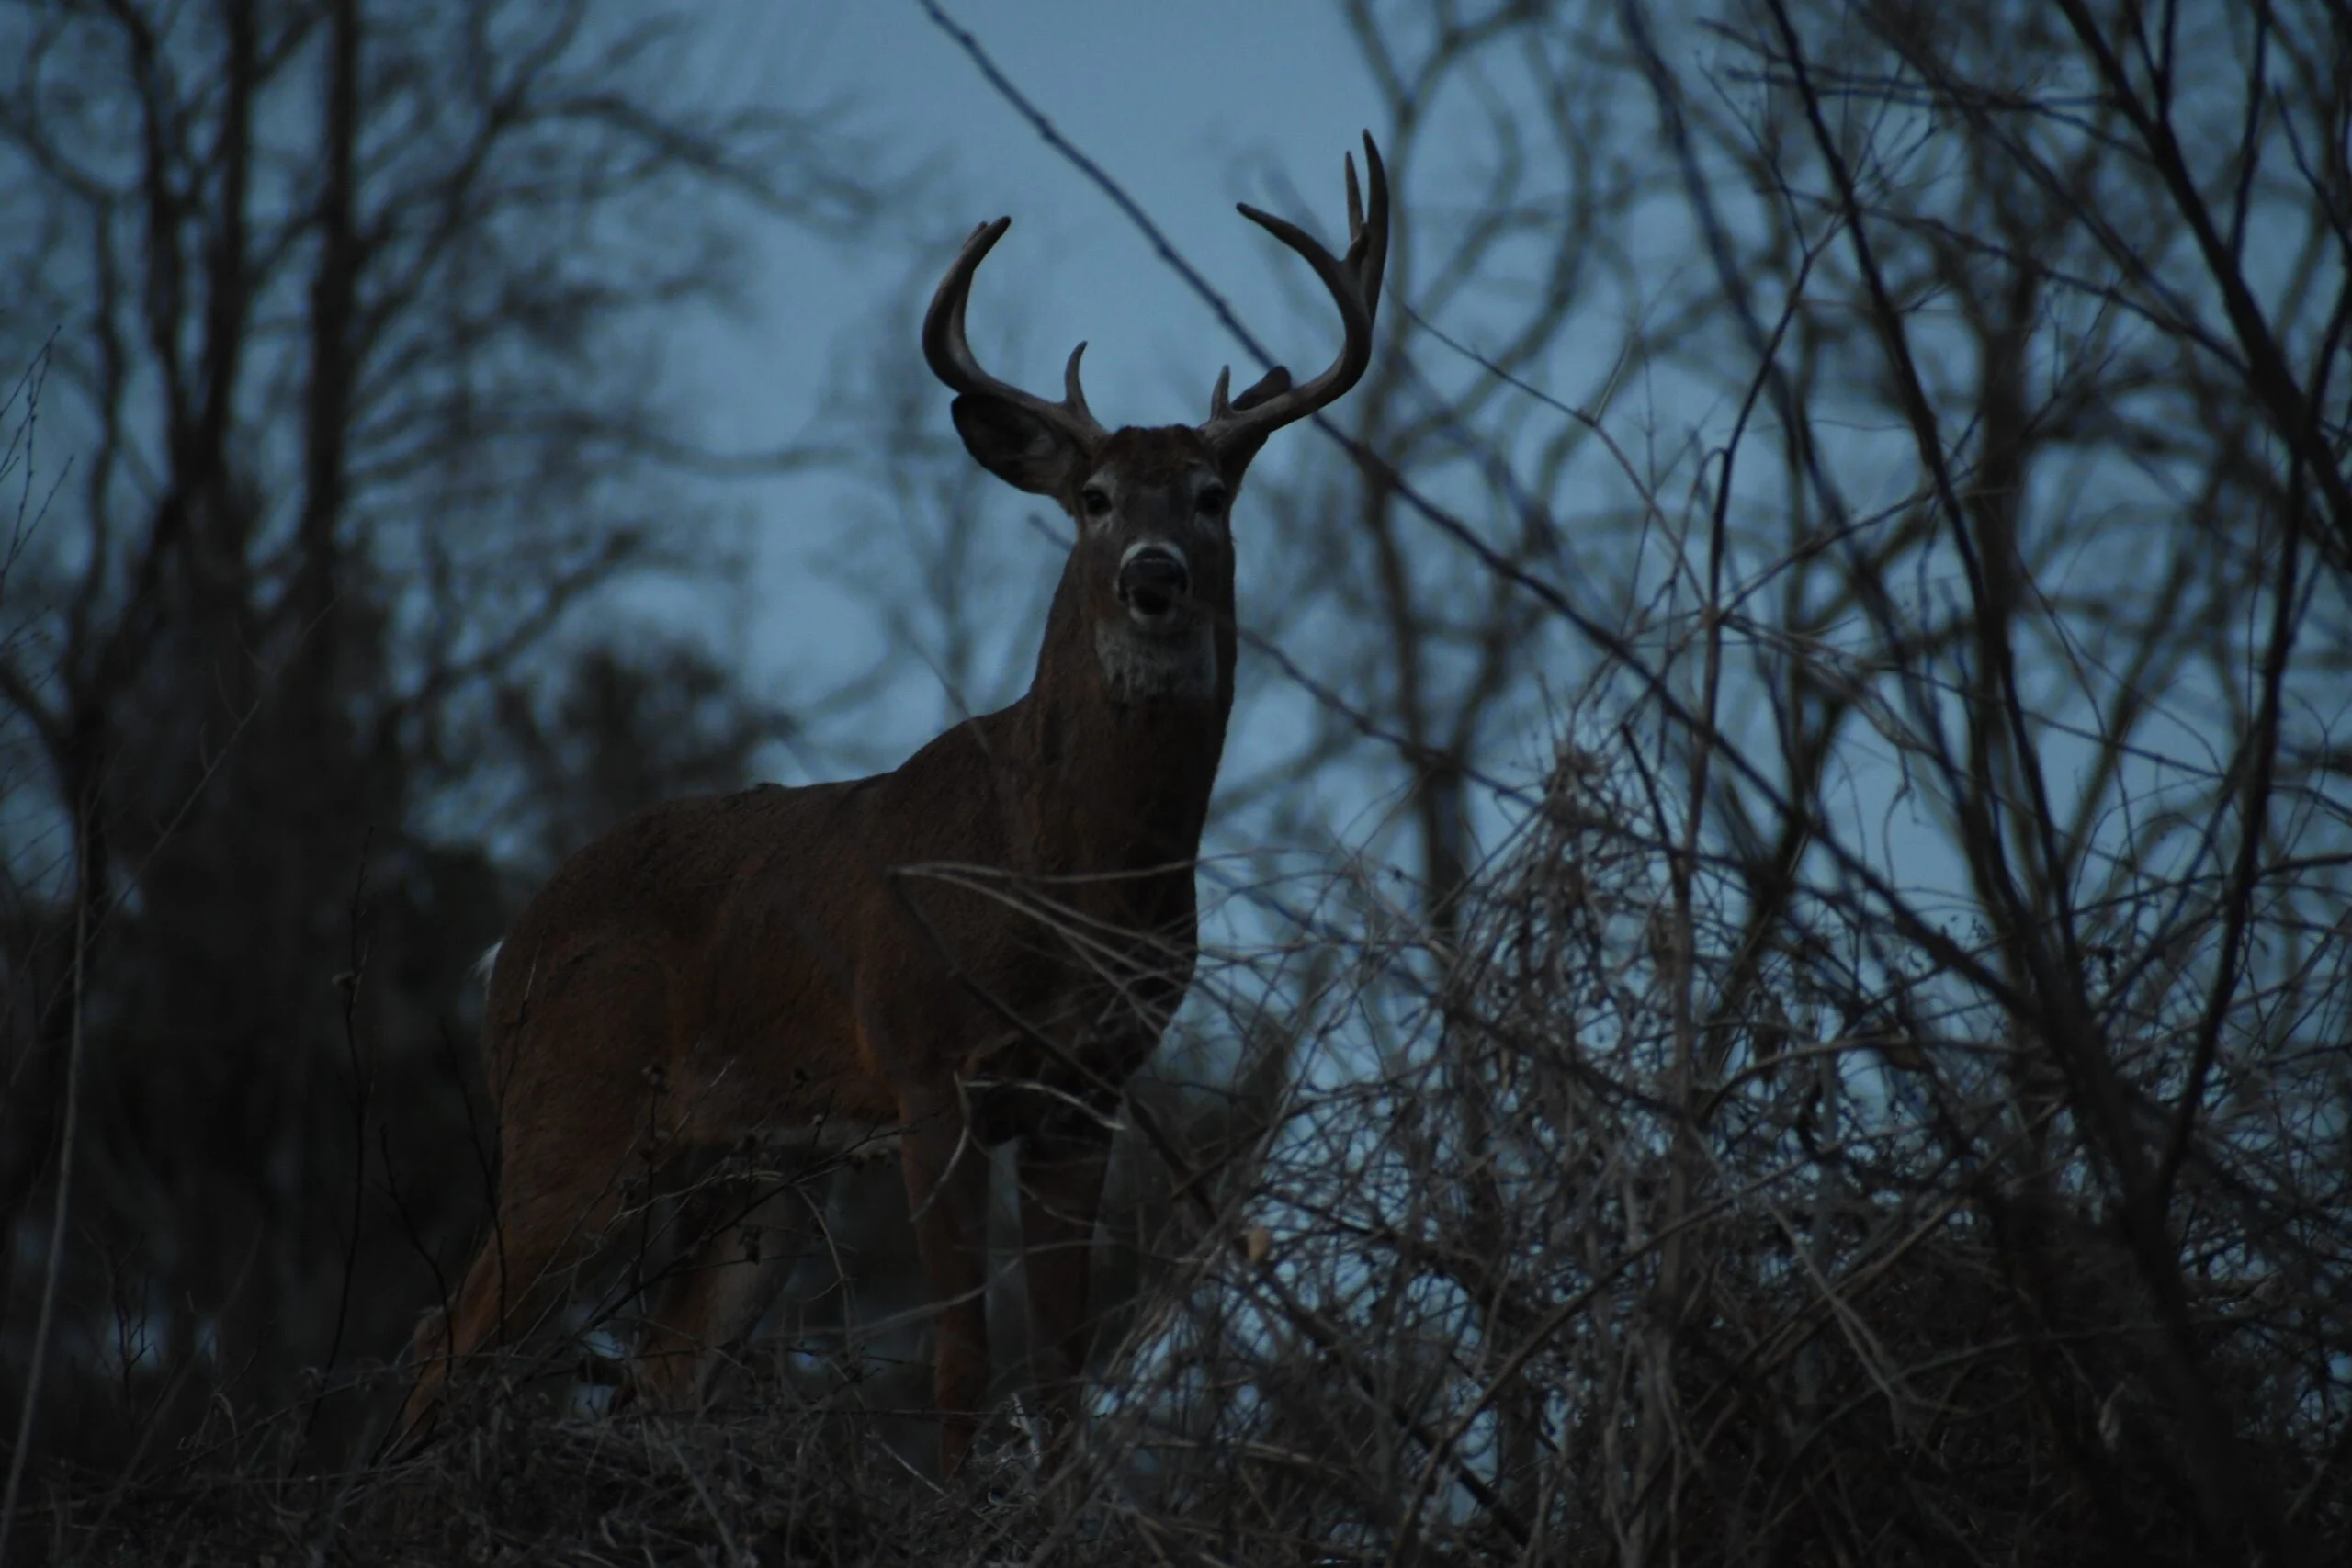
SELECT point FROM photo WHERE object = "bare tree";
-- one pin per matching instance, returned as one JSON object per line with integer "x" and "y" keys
{"x": 1783, "y": 860}
{"x": 1910, "y": 993}
{"x": 352, "y": 309}
{"x": 1907, "y": 999}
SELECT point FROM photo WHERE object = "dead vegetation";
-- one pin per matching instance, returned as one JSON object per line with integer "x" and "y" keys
{"x": 1875, "y": 1092}
{"x": 1573, "y": 1273}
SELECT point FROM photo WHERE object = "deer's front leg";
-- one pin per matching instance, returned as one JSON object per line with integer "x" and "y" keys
{"x": 1061, "y": 1188}
{"x": 947, "y": 1176}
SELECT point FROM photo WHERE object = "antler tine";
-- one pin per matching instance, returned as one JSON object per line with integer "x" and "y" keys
{"x": 948, "y": 350}
{"x": 1354, "y": 285}
{"x": 1074, "y": 395}
{"x": 1368, "y": 235}
{"x": 1274, "y": 381}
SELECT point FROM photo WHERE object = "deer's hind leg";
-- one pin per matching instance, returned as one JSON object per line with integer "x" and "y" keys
{"x": 516, "y": 1280}
{"x": 571, "y": 1159}
{"x": 743, "y": 1237}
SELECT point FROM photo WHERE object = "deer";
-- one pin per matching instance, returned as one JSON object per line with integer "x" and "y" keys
{"x": 979, "y": 945}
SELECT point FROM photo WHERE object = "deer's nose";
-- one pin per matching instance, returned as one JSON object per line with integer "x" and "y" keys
{"x": 1152, "y": 578}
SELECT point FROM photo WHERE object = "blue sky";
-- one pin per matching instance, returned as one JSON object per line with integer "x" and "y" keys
{"x": 1190, "y": 107}
{"x": 1181, "y": 104}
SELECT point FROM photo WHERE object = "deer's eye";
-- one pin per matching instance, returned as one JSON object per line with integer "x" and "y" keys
{"x": 1096, "y": 500}
{"x": 1210, "y": 502}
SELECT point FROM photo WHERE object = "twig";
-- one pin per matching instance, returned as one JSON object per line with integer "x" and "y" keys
{"x": 59, "y": 1208}
{"x": 694, "y": 1479}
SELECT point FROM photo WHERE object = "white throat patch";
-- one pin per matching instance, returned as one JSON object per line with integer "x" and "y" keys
{"x": 1137, "y": 664}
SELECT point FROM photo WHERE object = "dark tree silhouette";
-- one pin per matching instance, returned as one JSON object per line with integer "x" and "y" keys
{"x": 352, "y": 400}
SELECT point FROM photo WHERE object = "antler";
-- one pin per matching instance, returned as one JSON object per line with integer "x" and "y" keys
{"x": 1355, "y": 283}
{"x": 949, "y": 354}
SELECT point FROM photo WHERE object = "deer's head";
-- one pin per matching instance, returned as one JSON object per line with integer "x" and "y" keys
{"x": 1151, "y": 569}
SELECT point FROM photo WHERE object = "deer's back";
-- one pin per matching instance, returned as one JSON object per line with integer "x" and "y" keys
{"x": 782, "y": 953}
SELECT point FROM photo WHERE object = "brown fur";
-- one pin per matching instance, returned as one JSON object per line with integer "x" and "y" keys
{"x": 981, "y": 944}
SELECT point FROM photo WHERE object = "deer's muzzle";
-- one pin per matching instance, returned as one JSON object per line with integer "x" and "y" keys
{"x": 1152, "y": 579}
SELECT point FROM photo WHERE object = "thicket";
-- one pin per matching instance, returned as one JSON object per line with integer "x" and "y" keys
{"x": 1776, "y": 986}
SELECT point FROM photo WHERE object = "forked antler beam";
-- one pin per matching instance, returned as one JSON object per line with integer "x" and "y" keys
{"x": 1354, "y": 283}
{"x": 949, "y": 352}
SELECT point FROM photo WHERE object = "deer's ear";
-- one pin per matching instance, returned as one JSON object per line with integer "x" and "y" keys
{"x": 1018, "y": 447}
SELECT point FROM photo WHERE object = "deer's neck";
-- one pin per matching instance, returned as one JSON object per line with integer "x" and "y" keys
{"x": 1119, "y": 777}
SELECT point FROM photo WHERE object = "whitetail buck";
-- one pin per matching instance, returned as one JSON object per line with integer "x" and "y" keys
{"x": 979, "y": 945}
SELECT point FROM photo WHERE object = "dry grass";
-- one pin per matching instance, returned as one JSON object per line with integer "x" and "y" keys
{"x": 1512, "y": 1254}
